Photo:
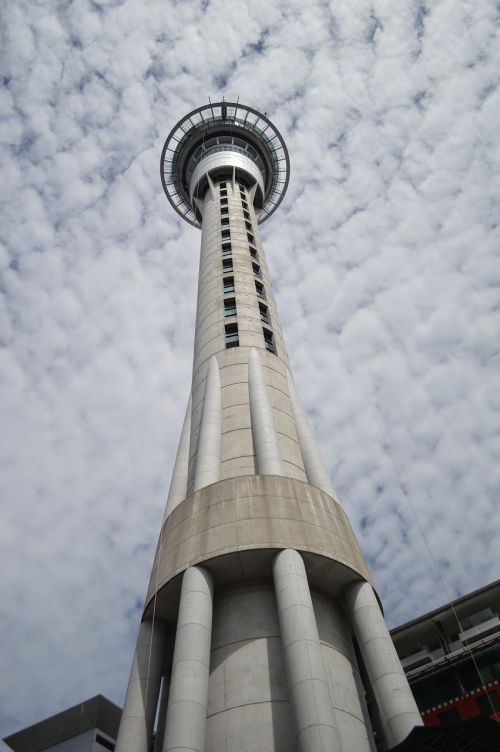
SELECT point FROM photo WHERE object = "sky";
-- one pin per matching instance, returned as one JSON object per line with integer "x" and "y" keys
{"x": 384, "y": 257}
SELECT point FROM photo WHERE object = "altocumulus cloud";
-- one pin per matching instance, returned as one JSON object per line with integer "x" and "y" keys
{"x": 385, "y": 261}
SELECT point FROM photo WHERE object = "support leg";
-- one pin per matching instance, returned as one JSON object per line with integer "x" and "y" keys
{"x": 397, "y": 708}
{"x": 307, "y": 679}
{"x": 187, "y": 702}
{"x": 139, "y": 710}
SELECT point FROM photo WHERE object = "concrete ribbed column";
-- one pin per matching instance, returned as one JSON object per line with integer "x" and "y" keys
{"x": 187, "y": 701}
{"x": 397, "y": 708}
{"x": 316, "y": 472}
{"x": 210, "y": 439}
{"x": 178, "y": 485}
{"x": 265, "y": 438}
{"x": 139, "y": 711}
{"x": 305, "y": 668}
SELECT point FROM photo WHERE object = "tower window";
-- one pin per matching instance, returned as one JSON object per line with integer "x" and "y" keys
{"x": 225, "y": 221}
{"x": 250, "y": 237}
{"x": 227, "y": 265}
{"x": 248, "y": 225}
{"x": 228, "y": 284}
{"x": 260, "y": 290}
{"x": 244, "y": 204}
{"x": 269, "y": 340}
{"x": 226, "y": 249}
{"x": 223, "y": 194}
{"x": 224, "y": 210}
{"x": 232, "y": 338}
{"x": 253, "y": 253}
{"x": 226, "y": 234}
{"x": 256, "y": 270}
{"x": 264, "y": 313}
{"x": 246, "y": 215}
{"x": 222, "y": 185}
{"x": 223, "y": 202}
{"x": 230, "y": 307}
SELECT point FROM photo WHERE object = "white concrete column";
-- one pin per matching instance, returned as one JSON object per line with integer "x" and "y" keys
{"x": 210, "y": 439}
{"x": 397, "y": 708}
{"x": 307, "y": 679}
{"x": 139, "y": 711}
{"x": 264, "y": 433}
{"x": 178, "y": 485}
{"x": 316, "y": 472}
{"x": 188, "y": 696}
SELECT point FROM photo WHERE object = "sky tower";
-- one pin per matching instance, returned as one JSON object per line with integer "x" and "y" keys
{"x": 261, "y": 631}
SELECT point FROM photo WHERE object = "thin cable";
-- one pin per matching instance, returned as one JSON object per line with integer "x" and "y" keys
{"x": 449, "y": 600}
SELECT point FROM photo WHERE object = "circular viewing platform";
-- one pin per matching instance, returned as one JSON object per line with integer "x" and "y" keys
{"x": 216, "y": 129}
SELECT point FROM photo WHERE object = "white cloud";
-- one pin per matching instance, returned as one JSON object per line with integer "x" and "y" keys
{"x": 385, "y": 261}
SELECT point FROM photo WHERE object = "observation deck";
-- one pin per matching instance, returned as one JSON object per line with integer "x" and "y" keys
{"x": 217, "y": 138}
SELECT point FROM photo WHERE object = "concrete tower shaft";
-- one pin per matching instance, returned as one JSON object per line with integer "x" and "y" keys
{"x": 260, "y": 602}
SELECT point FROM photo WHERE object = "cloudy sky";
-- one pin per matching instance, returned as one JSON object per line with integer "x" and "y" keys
{"x": 385, "y": 260}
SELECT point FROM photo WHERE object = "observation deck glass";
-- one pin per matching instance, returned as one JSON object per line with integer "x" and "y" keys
{"x": 223, "y": 126}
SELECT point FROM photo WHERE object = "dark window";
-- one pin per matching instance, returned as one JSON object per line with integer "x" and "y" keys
{"x": 250, "y": 237}
{"x": 485, "y": 703}
{"x": 253, "y": 253}
{"x": 269, "y": 340}
{"x": 449, "y": 717}
{"x": 228, "y": 284}
{"x": 104, "y": 742}
{"x": 232, "y": 339}
{"x": 226, "y": 249}
{"x": 226, "y": 234}
{"x": 222, "y": 185}
{"x": 246, "y": 215}
{"x": 256, "y": 270}
{"x": 224, "y": 221}
{"x": 223, "y": 195}
{"x": 244, "y": 204}
{"x": 260, "y": 290}
{"x": 224, "y": 211}
{"x": 223, "y": 202}
{"x": 227, "y": 265}
{"x": 230, "y": 307}
{"x": 264, "y": 313}
{"x": 248, "y": 225}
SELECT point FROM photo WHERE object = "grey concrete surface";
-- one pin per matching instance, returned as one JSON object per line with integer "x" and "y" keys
{"x": 316, "y": 472}
{"x": 139, "y": 710}
{"x": 396, "y": 706}
{"x": 247, "y": 675}
{"x": 315, "y": 722}
{"x": 265, "y": 439}
{"x": 178, "y": 485}
{"x": 251, "y": 512}
{"x": 185, "y": 727}
{"x": 210, "y": 438}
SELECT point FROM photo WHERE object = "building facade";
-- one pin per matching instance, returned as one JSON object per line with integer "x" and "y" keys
{"x": 90, "y": 726}
{"x": 261, "y": 629}
{"x": 452, "y": 658}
